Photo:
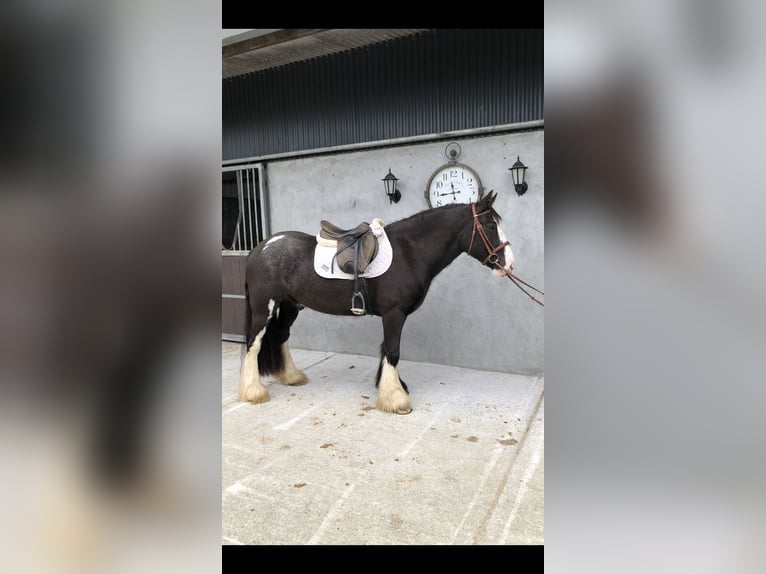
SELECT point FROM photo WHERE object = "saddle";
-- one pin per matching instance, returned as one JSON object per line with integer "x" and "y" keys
{"x": 355, "y": 249}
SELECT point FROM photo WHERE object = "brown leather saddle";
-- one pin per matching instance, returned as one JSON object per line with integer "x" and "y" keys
{"x": 355, "y": 249}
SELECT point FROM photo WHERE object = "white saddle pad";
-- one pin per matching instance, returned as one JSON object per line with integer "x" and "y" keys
{"x": 327, "y": 268}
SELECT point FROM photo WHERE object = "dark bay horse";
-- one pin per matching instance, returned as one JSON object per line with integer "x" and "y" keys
{"x": 280, "y": 280}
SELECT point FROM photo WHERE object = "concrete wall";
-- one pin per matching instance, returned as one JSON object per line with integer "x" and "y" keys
{"x": 469, "y": 318}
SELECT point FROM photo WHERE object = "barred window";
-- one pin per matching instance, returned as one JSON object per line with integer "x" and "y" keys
{"x": 244, "y": 207}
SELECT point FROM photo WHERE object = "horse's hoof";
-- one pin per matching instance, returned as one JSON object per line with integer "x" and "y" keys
{"x": 255, "y": 397}
{"x": 398, "y": 404}
{"x": 296, "y": 379}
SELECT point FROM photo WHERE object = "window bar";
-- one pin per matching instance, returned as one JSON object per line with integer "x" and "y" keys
{"x": 250, "y": 191}
{"x": 236, "y": 225}
{"x": 262, "y": 214}
{"x": 256, "y": 191}
{"x": 240, "y": 197}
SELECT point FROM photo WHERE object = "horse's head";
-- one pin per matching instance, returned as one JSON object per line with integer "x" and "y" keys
{"x": 488, "y": 242}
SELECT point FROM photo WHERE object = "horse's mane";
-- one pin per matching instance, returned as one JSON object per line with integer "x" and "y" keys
{"x": 428, "y": 213}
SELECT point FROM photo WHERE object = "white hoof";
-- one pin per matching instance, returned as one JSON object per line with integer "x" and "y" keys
{"x": 254, "y": 394}
{"x": 291, "y": 375}
{"x": 397, "y": 402}
{"x": 293, "y": 379}
{"x": 392, "y": 398}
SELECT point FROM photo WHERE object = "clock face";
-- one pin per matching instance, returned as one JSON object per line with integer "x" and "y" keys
{"x": 453, "y": 183}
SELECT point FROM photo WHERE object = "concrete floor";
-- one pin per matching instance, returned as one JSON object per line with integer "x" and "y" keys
{"x": 318, "y": 464}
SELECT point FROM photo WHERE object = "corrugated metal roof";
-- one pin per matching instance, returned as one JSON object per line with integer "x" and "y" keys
{"x": 434, "y": 82}
{"x": 288, "y": 46}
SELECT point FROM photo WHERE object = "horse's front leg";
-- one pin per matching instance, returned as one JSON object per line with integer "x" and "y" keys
{"x": 392, "y": 393}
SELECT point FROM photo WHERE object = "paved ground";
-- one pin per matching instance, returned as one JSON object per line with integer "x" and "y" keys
{"x": 319, "y": 464}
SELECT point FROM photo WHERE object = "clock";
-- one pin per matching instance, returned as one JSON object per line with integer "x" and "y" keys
{"x": 453, "y": 182}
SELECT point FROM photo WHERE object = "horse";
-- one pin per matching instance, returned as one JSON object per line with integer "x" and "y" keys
{"x": 280, "y": 281}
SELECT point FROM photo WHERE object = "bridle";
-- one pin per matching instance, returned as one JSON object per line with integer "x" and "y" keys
{"x": 492, "y": 256}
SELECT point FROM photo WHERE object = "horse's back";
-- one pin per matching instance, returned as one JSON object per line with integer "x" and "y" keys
{"x": 279, "y": 253}
{"x": 283, "y": 244}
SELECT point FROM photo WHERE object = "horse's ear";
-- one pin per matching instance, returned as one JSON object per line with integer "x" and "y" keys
{"x": 486, "y": 201}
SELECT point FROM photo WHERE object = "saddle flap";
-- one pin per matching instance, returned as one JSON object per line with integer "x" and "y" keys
{"x": 355, "y": 253}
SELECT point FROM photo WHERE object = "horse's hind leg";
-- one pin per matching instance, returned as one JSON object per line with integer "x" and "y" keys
{"x": 392, "y": 394}
{"x": 250, "y": 387}
{"x": 290, "y": 375}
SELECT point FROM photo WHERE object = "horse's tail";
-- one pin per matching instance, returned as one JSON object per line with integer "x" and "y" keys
{"x": 270, "y": 358}
{"x": 248, "y": 320}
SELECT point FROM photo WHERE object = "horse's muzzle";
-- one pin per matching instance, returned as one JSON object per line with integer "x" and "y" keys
{"x": 509, "y": 264}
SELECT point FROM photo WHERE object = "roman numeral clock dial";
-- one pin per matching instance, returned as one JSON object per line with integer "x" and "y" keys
{"x": 453, "y": 182}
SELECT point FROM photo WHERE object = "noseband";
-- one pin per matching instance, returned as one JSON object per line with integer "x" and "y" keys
{"x": 492, "y": 256}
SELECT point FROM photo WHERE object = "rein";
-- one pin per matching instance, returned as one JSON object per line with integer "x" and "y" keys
{"x": 492, "y": 256}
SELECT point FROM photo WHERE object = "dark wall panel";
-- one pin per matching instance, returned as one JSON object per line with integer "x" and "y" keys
{"x": 233, "y": 317}
{"x": 233, "y": 283}
{"x": 233, "y": 274}
{"x": 436, "y": 81}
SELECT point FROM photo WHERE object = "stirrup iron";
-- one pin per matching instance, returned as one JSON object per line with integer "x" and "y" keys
{"x": 355, "y": 309}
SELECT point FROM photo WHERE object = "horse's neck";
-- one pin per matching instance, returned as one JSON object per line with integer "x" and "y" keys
{"x": 438, "y": 238}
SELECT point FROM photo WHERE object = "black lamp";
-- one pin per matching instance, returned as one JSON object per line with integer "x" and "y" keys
{"x": 390, "y": 183}
{"x": 518, "y": 172}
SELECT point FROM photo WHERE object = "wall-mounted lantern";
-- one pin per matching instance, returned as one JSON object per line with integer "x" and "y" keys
{"x": 390, "y": 184}
{"x": 518, "y": 172}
